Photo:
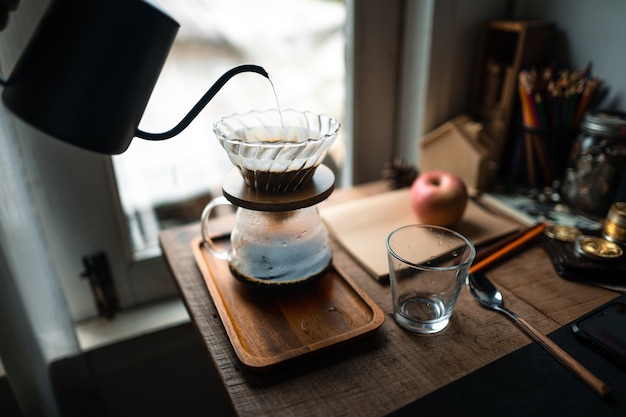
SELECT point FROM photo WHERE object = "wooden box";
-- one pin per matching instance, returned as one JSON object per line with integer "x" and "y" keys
{"x": 506, "y": 48}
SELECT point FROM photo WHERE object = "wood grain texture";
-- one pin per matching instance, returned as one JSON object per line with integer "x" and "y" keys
{"x": 269, "y": 326}
{"x": 391, "y": 367}
{"x": 315, "y": 191}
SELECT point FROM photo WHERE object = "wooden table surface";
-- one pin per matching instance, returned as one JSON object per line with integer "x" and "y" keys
{"x": 390, "y": 368}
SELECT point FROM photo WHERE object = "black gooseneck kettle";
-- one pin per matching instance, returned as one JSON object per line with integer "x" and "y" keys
{"x": 88, "y": 71}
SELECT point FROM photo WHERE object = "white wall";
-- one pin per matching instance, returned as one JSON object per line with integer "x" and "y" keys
{"x": 588, "y": 31}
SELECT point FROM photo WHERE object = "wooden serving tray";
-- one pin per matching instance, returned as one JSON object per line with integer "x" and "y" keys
{"x": 268, "y": 326}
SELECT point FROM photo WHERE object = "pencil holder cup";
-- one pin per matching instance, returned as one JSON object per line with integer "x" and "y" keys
{"x": 539, "y": 156}
{"x": 531, "y": 161}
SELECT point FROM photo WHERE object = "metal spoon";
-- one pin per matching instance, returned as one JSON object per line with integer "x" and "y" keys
{"x": 490, "y": 297}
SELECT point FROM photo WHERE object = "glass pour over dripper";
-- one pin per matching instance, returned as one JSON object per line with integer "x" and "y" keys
{"x": 276, "y": 151}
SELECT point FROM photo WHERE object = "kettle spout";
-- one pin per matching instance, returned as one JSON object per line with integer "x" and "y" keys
{"x": 193, "y": 113}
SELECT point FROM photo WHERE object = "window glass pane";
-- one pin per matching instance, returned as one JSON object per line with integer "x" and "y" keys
{"x": 299, "y": 42}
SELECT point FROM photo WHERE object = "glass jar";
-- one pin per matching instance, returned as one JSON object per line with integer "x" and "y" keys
{"x": 596, "y": 163}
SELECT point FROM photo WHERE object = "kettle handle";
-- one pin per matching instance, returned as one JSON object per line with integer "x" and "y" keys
{"x": 193, "y": 113}
{"x": 206, "y": 236}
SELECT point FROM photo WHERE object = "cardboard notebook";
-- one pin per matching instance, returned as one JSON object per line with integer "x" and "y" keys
{"x": 361, "y": 227}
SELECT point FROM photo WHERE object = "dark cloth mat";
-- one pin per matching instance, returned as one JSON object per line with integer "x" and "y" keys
{"x": 529, "y": 382}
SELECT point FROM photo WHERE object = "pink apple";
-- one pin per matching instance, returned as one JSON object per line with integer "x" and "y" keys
{"x": 439, "y": 198}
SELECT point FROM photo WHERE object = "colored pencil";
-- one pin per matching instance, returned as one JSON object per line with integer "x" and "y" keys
{"x": 569, "y": 95}
{"x": 485, "y": 251}
{"x": 530, "y": 165}
{"x": 509, "y": 248}
{"x": 539, "y": 146}
{"x": 552, "y": 104}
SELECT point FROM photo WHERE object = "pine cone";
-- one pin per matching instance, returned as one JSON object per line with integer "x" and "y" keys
{"x": 400, "y": 174}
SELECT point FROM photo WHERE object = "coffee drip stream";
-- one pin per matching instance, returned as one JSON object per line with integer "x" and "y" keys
{"x": 278, "y": 238}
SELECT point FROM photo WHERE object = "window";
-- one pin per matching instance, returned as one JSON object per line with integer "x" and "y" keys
{"x": 300, "y": 43}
